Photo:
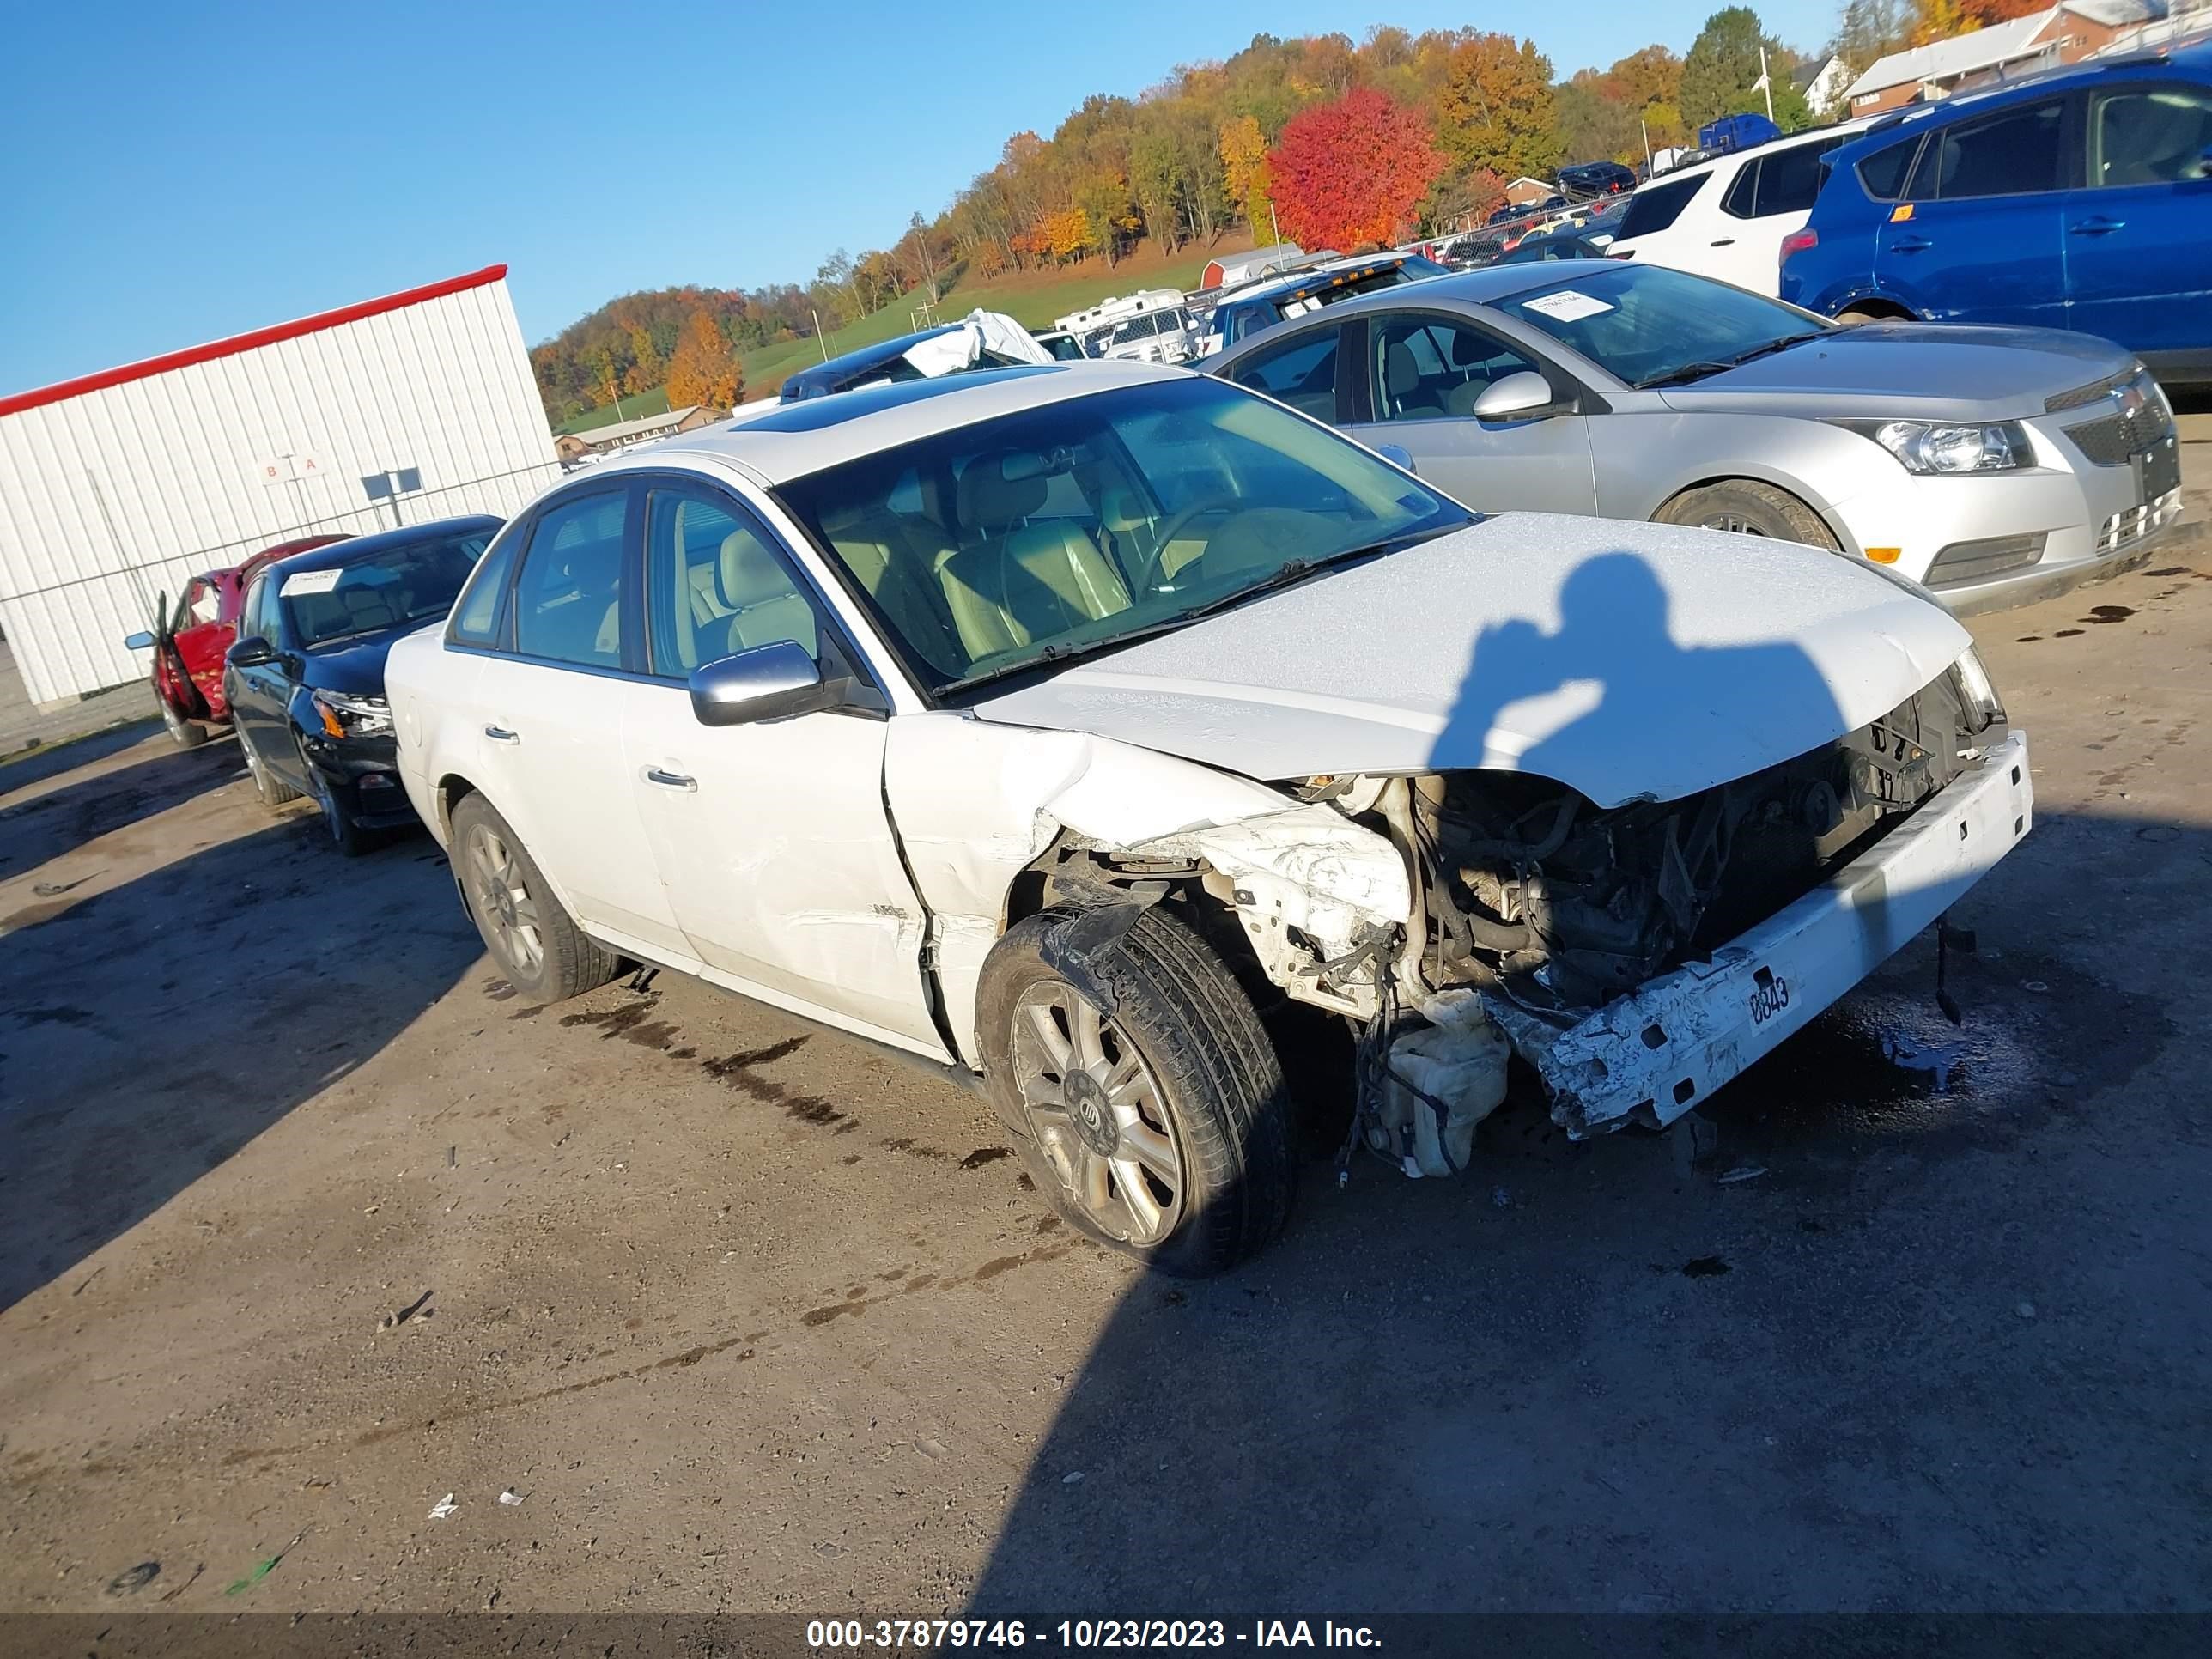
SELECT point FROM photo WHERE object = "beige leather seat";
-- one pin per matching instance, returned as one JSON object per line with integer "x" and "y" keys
{"x": 758, "y": 602}
{"x": 895, "y": 559}
{"x": 1016, "y": 580}
{"x": 1402, "y": 380}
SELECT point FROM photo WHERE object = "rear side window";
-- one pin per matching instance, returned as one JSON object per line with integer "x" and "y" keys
{"x": 1742, "y": 201}
{"x": 1789, "y": 179}
{"x": 2015, "y": 153}
{"x": 1301, "y": 372}
{"x": 1655, "y": 207}
{"x": 476, "y": 614}
{"x": 568, "y": 601}
{"x": 1882, "y": 173}
{"x": 2153, "y": 136}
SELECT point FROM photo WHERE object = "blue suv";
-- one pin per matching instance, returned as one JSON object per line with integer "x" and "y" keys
{"x": 2080, "y": 199}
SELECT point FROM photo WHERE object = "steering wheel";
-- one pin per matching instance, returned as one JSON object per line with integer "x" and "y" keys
{"x": 1177, "y": 523}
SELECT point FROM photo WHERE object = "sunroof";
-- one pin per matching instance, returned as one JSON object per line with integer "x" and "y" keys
{"x": 813, "y": 414}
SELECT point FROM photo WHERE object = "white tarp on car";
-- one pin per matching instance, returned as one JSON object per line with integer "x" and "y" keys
{"x": 979, "y": 332}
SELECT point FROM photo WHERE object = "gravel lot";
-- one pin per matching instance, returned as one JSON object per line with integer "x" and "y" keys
{"x": 751, "y": 1319}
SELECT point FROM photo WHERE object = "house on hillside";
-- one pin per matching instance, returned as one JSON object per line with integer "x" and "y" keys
{"x": 1822, "y": 80}
{"x": 1530, "y": 192}
{"x": 2066, "y": 33}
{"x": 574, "y": 447}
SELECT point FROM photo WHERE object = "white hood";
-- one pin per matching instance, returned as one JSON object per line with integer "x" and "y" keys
{"x": 1629, "y": 661}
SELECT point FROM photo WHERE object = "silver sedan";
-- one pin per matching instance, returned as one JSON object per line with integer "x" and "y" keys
{"x": 1995, "y": 465}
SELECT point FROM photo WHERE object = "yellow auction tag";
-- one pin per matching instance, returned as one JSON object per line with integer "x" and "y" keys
{"x": 1900, "y": 213}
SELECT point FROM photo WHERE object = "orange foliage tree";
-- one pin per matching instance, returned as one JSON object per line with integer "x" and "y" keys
{"x": 703, "y": 369}
{"x": 1349, "y": 175}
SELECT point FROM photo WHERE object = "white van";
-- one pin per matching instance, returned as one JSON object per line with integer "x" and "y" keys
{"x": 1726, "y": 218}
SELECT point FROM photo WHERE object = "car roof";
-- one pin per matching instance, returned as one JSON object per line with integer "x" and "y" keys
{"x": 805, "y": 437}
{"x": 352, "y": 549}
{"x": 863, "y": 358}
{"x": 1330, "y": 275}
{"x": 2195, "y": 59}
{"x": 1857, "y": 125}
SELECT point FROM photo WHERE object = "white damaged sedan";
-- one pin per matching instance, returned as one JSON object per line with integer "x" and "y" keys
{"x": 1103, "y": 733}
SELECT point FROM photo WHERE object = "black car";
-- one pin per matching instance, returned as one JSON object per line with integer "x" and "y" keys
{"x": 1265, "y": 304}
{"x": 885, "y": 360}
{"x": 1595, "y": 179}
{"x": 305, "y": 680}
{"x": 1575, "y": 242}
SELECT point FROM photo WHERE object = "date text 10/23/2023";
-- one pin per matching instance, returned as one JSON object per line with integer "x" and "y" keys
{"x": 1084, "y": 1633}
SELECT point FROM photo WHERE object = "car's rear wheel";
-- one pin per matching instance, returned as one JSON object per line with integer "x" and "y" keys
{"x": 533, "y": 937}
{"x": 272, "y": 789}
{"x": 187, "y": 734}
{"x": 1745, "y": 508}
{"x": 1161, "y": 1129}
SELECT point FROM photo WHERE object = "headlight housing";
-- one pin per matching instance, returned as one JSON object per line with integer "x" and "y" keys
{"x": 1978, "y": 694}
{"x": 1941, "y": 448}
{"x": 344, "y": 715}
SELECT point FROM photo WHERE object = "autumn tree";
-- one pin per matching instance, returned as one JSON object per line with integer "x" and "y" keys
{"x": 1596, "y": 128}
{"x": 1350, "y": 174}
{"x": 921, "y": 259}
{"x": 704, "y": 370}
{"x": 1939, "y": 20}
{"x": 1497, "y": 110}
{"x": 1244, "y": 169}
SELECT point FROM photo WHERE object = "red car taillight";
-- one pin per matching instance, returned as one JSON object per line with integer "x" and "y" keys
{"x": 1797, "y": 242}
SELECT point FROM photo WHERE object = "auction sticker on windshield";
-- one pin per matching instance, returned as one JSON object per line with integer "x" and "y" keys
{"x": 1567, "y": 306}
{"x": 311, "y": 582}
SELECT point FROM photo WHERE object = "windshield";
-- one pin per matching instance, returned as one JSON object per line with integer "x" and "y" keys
{"x": 1647, "y": 324}
{"x": 389, "y": 589}
{"x": 996, "y": 546}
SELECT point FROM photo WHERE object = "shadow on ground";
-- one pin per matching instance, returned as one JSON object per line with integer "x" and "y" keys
{"x": 37, "y": 825}
{"x": 306, "y": 962}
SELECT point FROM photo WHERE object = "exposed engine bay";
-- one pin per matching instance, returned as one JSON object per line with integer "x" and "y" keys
{"x": 1551, "y": 908}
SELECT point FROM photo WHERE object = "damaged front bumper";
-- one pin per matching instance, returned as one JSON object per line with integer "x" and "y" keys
{"x": 1657, "y": 1052}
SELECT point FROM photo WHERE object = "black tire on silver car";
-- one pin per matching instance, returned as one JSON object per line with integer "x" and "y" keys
{"x": 1750, "y": 508}
{"x": 535, "y": 941}
{"x": 272, "y": 789}
{"x": 1161, "y": 1129}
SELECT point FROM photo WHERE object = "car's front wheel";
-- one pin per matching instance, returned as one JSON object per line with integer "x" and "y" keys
{"x": 1160, "y": 1127}
{"x": 529, "y": 932}
{"x": 1748, "y": 507}
{"x": 272, "y": 789}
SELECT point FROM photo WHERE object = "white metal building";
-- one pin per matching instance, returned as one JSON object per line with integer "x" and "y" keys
{"x": 118, "y": 487}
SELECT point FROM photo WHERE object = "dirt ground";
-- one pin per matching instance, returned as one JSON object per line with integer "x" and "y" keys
{"x": 750, "y": 1319}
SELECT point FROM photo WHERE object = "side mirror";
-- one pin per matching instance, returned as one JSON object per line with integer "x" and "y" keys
{"x": 768, "y": 683}
{"x": 141, "y": 641}
{"x": 251, "y": 653}
{"x": 1398, "y": 455}
{"x": 1523, "y": 393}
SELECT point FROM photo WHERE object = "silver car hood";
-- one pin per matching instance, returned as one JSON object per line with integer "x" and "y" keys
{"x": 1949, "y": 371}
{"x": 1629, "y": 661}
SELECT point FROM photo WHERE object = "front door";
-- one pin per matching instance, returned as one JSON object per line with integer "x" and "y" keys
{"x": 1977, "y": 238}
{"x": 1425, "y": 370}
{"x": 261, "y": 694}
{"x": 772, "y": 837}
{"x": 2139, "y": 239}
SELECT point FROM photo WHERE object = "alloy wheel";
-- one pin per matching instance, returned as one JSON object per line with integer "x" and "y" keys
{"x": 1735, "y": 523}
{"x": 503, "y": 902}
{"x": 1096, "y": 1113}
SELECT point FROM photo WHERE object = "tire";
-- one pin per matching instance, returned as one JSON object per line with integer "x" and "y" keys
{"x": 533, "y": 937}
{"x": 1201, "y": 1084}
{"x": 1853, "y": 317}
{"x": 1750, "y": 509}
{"x": 187, "y": 734}
{"x": 348, "y": 836}
{"x": 273, "y": 790}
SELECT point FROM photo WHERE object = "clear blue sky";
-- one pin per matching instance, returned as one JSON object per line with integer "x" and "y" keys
{"x": 181, "y": 172}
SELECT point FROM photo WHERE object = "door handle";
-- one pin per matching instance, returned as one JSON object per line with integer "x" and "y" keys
{"x": 1910, "y": 245}
{"x": 501, "y": 734}
{"x": 671, "y": 780}
{"x": 2098, "y": 225}
{"x": 1725, "y": 241}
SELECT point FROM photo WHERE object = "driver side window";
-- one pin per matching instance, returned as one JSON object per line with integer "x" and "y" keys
{"x": 715, "y": 586}
{"x": 1430, "y": 367}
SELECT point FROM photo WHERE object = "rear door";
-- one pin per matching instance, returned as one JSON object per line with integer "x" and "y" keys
{"x": 772, "y": 837}
{"x": 260, "y": 693}
{"x": 1978, "y": 238}
{"x": 547, "y": 710}
{"x": 1771, "y": 196}
{"x": 1421, "y": 373}
{"x": 2139, "y": 236}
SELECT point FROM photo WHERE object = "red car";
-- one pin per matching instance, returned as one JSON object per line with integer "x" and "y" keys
{"x": 195, "y": 636}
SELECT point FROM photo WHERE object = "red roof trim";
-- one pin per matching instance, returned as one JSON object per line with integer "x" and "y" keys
{"x": 238, "y": 343}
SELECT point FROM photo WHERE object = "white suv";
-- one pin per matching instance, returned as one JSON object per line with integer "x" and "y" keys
{"x": 1094, "y": 730}
{"x": 1726, "y": 218}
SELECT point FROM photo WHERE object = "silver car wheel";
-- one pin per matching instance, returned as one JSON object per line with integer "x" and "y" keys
{"x": 1097, "y": 1116}
{"x": 1735, "y": 523}
{"x": 503, "y": 902}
